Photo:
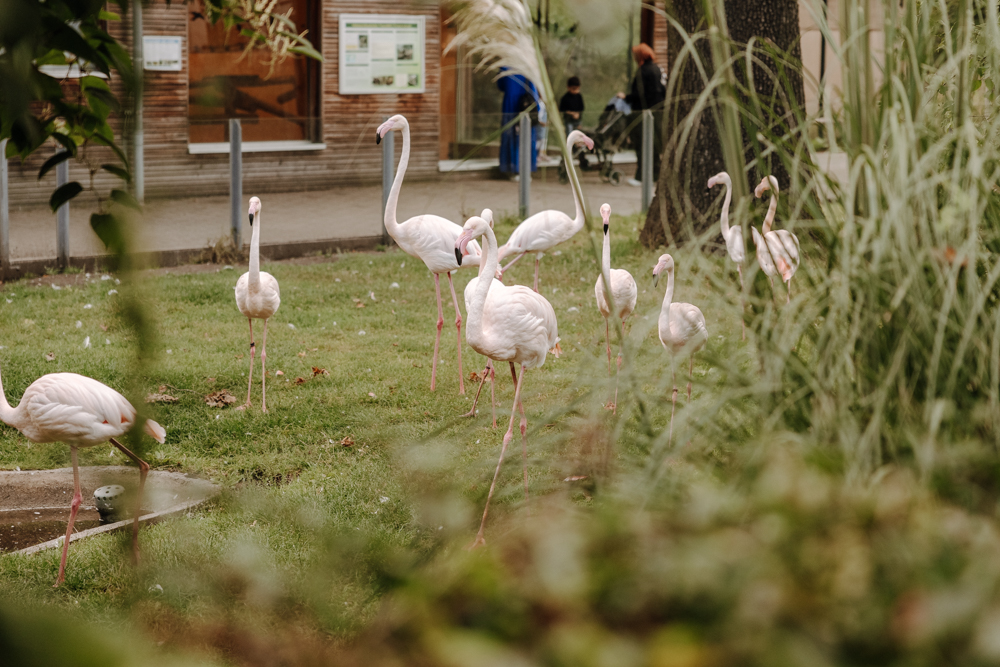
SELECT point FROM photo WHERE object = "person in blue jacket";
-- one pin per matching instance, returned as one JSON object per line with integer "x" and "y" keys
{"x": 518, "y": 95}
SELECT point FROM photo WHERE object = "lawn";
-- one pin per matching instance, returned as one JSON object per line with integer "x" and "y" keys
{"x": 335, "y": 475}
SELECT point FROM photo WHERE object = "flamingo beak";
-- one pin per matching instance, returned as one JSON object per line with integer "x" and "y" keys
{"x": 458, "y": 256}
{"x": 251, "y": 218}
{"x": 378, "y": 137}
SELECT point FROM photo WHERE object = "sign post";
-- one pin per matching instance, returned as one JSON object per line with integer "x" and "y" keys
{"x": 236, "y": 180}
{"x": 524, "y": 166}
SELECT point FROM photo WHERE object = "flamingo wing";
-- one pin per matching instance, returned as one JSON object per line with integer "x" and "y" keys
{"x": 624, "y": 290}
{"x": 432, "y": 239}
{"x": 784, "y": 248}
{"x": 764, "y": 258}
{"x": 540, "y": 232}
{"x": 66, "y": 407}
{"x": 523, "y": 324}
{"x": 735, "y": 246}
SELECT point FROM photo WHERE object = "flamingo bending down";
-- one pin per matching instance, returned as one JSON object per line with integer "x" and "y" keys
{"x": 81, "y": 412}
{"x": 777, "y": 250}
{"x": 506, "y": 323}
{"x": 623, "y": 292}
{"x": 258, "y": 298}
{"x": 681, "y": 327}
{"x": 547, "y": 229}
{"x": 429, "y": 238}
{"x": 733, "y": 237}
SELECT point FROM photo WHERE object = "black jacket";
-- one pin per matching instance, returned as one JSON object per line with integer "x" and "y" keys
{"x": 647, "y": 87}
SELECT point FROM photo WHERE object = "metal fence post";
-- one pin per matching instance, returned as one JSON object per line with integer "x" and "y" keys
{"x": 388, "y": 172}
{"x": 62, "y": 228}
{"x": 647, "y": 159}
{"x": 524, "y": 166}
{"x": 4, "y": 210}
{"x": 236, "y": 180}
{"x": 138, "y": 140}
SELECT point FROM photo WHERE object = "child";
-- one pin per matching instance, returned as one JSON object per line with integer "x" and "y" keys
{"x": 571, "y": 104}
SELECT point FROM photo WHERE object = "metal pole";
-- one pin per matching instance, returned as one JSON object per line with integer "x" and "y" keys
{"x": 4, "y": 209}
{"x": 647, "y": 159}
{"x": 138, "y": 141}
{"x": 236, "y": 180}
{"x": 388, "y": 162}
{"x": 62, "y": 229}
{"x": 524, "y": 166}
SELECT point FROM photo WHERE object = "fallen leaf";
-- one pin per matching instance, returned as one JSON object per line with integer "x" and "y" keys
{"x": 360, "y": 304}
{"x": 162, "y": 389}
{"x": 160, "y": 398}
{"x": 474, "y": 377}
{"x": 299, "y": 380}
{"x": 319, "y": 371}
{"x": 315, "y": 349}
{"x": 104, "y": 327}
{"x": 395, "y": 344}
{"x": 575, "y": 478}
{"x": 220, "y": 399}
{"x": 302, "y": 353}
{"x": 51, "y": 356}
{"x": 416, "y": 365}
{"x": 210, "y": 380}
{"x": 347, "y": 441}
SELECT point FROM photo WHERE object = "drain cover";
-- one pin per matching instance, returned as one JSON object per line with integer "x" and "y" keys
{"x": 109, "y": 501}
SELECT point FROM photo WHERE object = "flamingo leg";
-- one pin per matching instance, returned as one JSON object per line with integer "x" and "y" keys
{"x": 511, "y": 263}
{"x": 538, "y": 259}
{"x": 73, "y": 509}
{"x": 253, "y": 349}
{"x": 743, "y": 325}
{"x": 480, "y": 539}
{"x": 493, "y": 398}
{"x": 263, "y": 371}
{"x": 788, "y": 296}
{"x": 475, "y": 401}
{"x": 607, "y": 335}
{"x": 458, "y": 325}
{"x": 524, "y": 437}
{"x": 143, "y": 471}
{"x": 440, "y": 323}
{"x": 673, "y": 405}
{"x": 690, "y": 376}
{"x": 614, "y": 409}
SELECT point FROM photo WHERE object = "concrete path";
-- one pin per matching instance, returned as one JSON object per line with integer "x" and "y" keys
{"x": 298, "y": 217}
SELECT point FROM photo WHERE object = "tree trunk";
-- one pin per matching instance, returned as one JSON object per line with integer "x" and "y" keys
{"x": 681, "y": 202}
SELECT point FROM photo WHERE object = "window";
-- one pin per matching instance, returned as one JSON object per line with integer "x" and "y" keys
{"x": 281, "y": 107}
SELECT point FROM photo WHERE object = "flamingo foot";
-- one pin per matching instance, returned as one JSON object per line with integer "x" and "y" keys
{"x": 477, "y": 543}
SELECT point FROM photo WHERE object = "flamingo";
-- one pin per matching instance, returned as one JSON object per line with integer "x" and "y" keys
{"x": 506, "y": 323}
{"x": 623, "y": 291}
{"x": 81, "y": 412}
{"x": 488, "y": 372}
{"x": 429, "y": 238}
{"x": 681, "y": 327}
{"x": 547, "y": 229}
{"x": 258, "y": 298}
{"x": 733, "y": 237}
{"x": 781, "y": 254}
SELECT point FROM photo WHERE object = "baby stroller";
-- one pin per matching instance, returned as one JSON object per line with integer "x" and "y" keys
{"x": 610, "y": 136}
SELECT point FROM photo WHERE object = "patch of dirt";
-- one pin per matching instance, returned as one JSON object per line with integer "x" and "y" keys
{"x": 20, "y": 529}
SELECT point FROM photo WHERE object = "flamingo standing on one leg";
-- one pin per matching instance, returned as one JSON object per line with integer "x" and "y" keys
{"x": 429, "y": 238}
{"x": 258, "y": 298}
{"x": 623, "y": 291}
{"x": 506, "y": 323}
{"x": 733, "y": 237}
{"x": 547, "y": 229}
{"x": 681, "y": 327}
{"x": 81, "y": 412}
{"x": 777, "y": 250}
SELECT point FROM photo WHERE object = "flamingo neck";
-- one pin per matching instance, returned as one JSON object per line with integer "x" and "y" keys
{"x": 487, "y": 270}
{"x": 577, "y": 192}
{"x": 606, "y": 254}
{"x": 255, "y": 252}
{"x": 668, "y": 297}
{"x": 7, "y": 414}
{"x": 771, "y": 208}
{"x": 391, "y": 224}
{"x": 724, "y": 218}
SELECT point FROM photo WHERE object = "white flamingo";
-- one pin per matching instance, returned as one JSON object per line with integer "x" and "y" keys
{"x": 506, "y": 323}
{"x": 81, "y": 412}
{"x": 258, "y": 298}
{"x": 429, "y": 238}
{"x": 488, "y": 372}
{"x": 547, "y": 229}
{"x": 681, "y": 326}
{"x": 623, "y": 291}
{"x": 733, "y": 236}
{"x": 778, "y": 250}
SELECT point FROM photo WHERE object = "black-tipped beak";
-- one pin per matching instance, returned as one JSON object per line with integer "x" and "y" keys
{"x": 605, "y": 228}
{"x": 251, "y": 219}
{"x": 458, "y": 256}
{"x": 378, "y": 138}
{"x": 656, "y": 279}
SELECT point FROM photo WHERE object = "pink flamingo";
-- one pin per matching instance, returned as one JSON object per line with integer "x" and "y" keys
{"x": 733, "y": 237}
{"x": 81, "y": 412}
{"x": 258, "y": 298}
{"x": 429, "y": 238}
{"x": 778, "y": 250}
{"x": 681, "y": 328}
{"x": 623, "y": 290}
{"x": 506, "y": 323}
{"x": 547, "y": 229}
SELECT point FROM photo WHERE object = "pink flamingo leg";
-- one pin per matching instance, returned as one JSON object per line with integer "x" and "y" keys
{"x": 690, "y": 377}
{"x": 743, "y": 325}
{"x": 475, "y": 401}
{"x": 458, "y": 325}
{"x": 607, "y": 334}
{"x": 673, "y": 404}
{"x": 253, "y": 348}
{"x": 788, "y": 297}
{"x": 614, "y": 407}
{"x": 524, "y": 437}
{"x": 511, "y": 263}
{"x": 143, "y": 471}
{"x": 73, "y": 509}
{"x": 480, "y": 539}
{"x": 263, "y": 371}
{"x": 537, "y": 261}
{"x": 440, "y": 323}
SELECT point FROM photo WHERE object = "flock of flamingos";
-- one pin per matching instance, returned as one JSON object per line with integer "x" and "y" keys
{"x": 506, "y": 323}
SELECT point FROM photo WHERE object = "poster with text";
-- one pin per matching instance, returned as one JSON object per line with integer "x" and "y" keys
{"x": 381, "y": 53}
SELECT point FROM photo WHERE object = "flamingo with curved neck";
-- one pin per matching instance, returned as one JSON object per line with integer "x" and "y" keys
{"x": 429, "y": 238}
{"x": 506, "y": 323}
{"x": 623, "y": 293}
{"x": 777, "y": 250}
{"x": 733, "y": 236}
{"x": 547, "y": 229}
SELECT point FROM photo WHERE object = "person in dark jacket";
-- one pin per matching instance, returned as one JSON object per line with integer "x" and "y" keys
{"x": 571, "y": 104}
{"x": 518, "y": 95}
{"x": 648, "y": 92}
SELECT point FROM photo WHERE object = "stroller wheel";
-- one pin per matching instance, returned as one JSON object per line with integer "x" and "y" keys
{"x": 615, "y": 177}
